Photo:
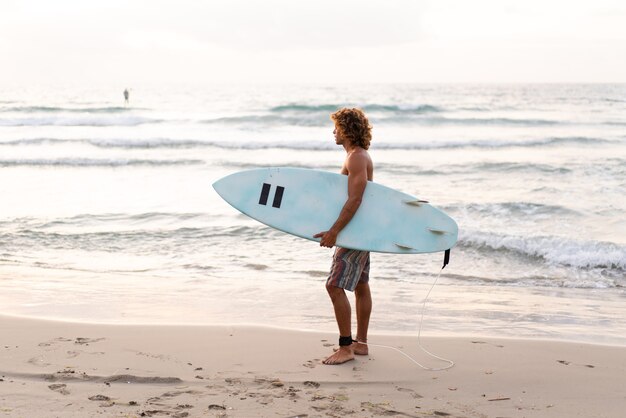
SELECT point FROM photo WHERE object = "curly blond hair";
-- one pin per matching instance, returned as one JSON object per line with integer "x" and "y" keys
{"x": 353, "y": 124}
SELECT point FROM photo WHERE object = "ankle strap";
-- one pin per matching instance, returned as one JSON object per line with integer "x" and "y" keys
{"x": 343, "y": 341}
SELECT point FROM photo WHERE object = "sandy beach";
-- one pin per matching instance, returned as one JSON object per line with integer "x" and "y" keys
{"x": 63, "y": 369}
{"x": 133, "y": 285}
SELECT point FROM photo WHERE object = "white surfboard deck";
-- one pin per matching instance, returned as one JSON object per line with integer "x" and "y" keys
{"x": 304, "y": 202}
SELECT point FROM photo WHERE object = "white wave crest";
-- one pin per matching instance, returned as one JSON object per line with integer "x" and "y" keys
{"x": 94, "y": 162}
{"x": 87, "y": 120}
{"x": 554, "y": 250}
{"x": 326, "y": 145}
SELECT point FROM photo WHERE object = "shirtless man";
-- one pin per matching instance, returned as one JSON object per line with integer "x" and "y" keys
{"x": 350, "y": 268}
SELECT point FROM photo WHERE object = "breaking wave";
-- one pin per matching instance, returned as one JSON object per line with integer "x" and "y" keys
{"x": 53, "y": 109}
{"x": 408, "y": 145}
{"x": 553, "y": 250}
{"x": 94, "y": 162}
{"x": 86, "y": 120}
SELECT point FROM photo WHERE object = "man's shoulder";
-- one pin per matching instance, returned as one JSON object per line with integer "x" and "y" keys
{"x": 357, "y": 160}
{"x": 358, "y": 154}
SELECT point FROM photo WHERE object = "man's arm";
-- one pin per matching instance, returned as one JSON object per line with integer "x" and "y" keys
{"x": 357, "y": 181}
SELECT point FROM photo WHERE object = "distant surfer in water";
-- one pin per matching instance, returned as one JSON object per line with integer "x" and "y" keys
{"x": 126, "y": 96}
{"x": 350, "y": 268}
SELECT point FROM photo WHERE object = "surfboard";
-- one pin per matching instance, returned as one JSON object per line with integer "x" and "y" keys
{"x": 303, "y": 202}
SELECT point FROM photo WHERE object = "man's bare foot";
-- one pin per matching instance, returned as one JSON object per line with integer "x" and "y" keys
{"x": 357, "y": 348}
{"x": 360, "y": 349}
{"x": 340, "y": 356}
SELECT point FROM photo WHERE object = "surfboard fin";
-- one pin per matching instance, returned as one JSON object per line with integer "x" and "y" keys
{"x": 404, "y": 247}
{"x": 416, "y": 202}
{"x": 438, "y": 231}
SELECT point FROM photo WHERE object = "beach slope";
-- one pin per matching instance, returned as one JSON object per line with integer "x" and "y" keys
{"x": 61, "y": 369}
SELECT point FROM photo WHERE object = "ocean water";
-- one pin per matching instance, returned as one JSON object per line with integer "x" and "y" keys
{"x": 107, "y": 212}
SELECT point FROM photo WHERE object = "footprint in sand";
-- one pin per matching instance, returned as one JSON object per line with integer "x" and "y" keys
{"x": 311, "y": 364}
{"x": 410, "y": 392}
{"x": 72, "y": 354}
{"x": 269, "y": 382}
{"x": 107, "y": 402}
{"x": 153, "y": 412}
{"x": 183, "y": 406}
{"x": 99, "y": 398}
{"x": 51, "y": 342}
{"x": 175, "y": 393}
{"x": 59, "y": 387}
{"x": 567, "y": 363}
{"x": 232, "y": 381}
{"x": 215, "y": 407}
{"x": 38, "y": 361}
{"x": 383, "y": 408}
{"x": 86, "y": 341}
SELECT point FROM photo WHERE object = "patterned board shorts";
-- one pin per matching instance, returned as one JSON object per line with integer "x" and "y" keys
{"x": 349, "y": 268}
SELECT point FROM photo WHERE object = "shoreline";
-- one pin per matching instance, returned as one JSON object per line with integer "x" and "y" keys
{"x": 430, "y": 334}
{"x": 54, "y": 368}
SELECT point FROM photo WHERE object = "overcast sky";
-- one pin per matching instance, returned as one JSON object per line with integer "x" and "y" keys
{"x": 320, "y": 41}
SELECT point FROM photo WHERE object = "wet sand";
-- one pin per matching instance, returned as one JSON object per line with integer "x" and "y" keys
{"x": 62, "y": 369}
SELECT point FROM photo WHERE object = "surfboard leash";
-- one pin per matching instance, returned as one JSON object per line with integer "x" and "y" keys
{"x": 419, "y": 332}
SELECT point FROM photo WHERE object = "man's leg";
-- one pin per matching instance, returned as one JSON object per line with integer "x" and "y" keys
{"x": 363, "y": 311}
{"x": 343, "y": 313}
